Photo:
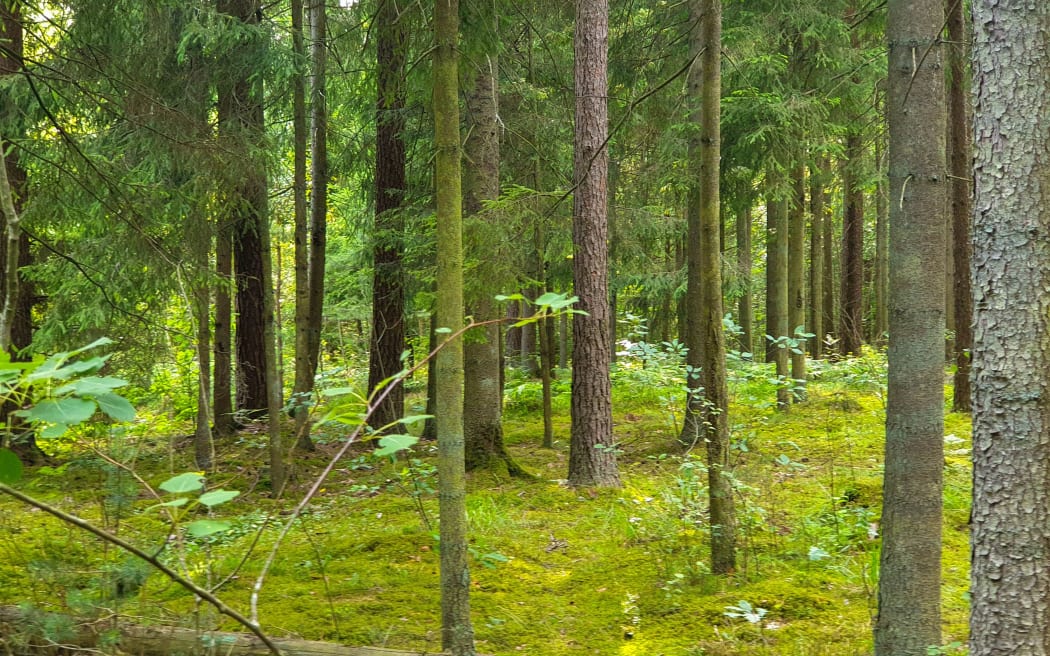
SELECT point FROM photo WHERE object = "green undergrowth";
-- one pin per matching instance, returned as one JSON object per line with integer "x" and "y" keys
{"x": 555, "y": 570}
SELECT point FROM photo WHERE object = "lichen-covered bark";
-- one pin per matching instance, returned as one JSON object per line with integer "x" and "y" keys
{"x": 1010, "y": 579}
{"x": 591, "y": 387}
{"x": 457, "y": 633}
{"x": 909, "y": 618}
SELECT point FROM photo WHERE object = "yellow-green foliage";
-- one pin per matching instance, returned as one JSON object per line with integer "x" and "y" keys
{"x": 555, "y": 570}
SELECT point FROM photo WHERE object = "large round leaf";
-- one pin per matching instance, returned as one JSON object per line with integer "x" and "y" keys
{"x": 183, "y": 483}
{"x": 10, "y": 467}
{"x": 69, "y": 411}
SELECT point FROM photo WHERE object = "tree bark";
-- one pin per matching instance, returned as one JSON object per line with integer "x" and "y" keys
{"x": 591, "y": 458}
{"x": 318, "y": 185}
{"x": 1010, "y": 576}
{"x": 828, "y": 304}
{"x": 961, "y": 206}
{"x": 851, "y": 313}
{"x": 777, "y": 301}
{"x": 457, "y": 633}
{"x": 817, "y": 203}
{"x": 706, "y": 418}
{"x": 387, "y": 341}
{"x": 222, "y": 383}
{"x": 909, "y": 618}
{"x": 882, "y": 260}
{"x": 744, "y": 263}
{"x": 797, "y": 281}
{"x": 301, "y": 396}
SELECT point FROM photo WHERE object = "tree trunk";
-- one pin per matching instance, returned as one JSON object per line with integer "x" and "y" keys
{"x": 777, "y": 300}
{"x": 910, "y": 565}
{"x": 706, "y": 417}
{"x": 851, "y": 314}
{"x": 17, "y": 290}
{"x": 589, "y": 463}
{"x": 301, "y": 396}
{"x": 828, "y": 304}
{"x": 1010, "y": 576}
{"x": 817, "y": 203}
{"x": 457, "y": 633}
{"x": 797, "y": 281}
{"x": 744, "y": 263}
{"x": 961, "y": 206}
{"x": 388, "y": 286}
{"x": 222, "y": 383}
{"x": 318, "y": 186}
{"x": 882, "y": 260}
{"x": 483, "y": 389}
{"x": 242, "y": 126}
{"x": 203, "y": 447}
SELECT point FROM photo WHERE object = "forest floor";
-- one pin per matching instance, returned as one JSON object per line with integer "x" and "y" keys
{"x": 555, "y": 570}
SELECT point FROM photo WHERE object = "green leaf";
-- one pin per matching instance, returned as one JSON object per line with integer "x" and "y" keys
{"x": 337, "y": 391}
{"x": 509, "y": 297}
{"x": 217, "y": 497}
{"x": 391, "y": 444}
{"x": 205, "y": 527}
{"x": 188, "y": 482}
{"x": 91, "y": 386}
{"x": 116, "y": 406}
{"x": 443, "y": 330}
{"x": 69, "y": 411}
{"x": 174, "y": 503}
{"x": 53, "y": 431}
{"x": 10, "y": 467}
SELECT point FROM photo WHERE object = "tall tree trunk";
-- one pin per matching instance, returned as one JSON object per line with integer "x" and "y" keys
{"x": 744, "y": 263}
{"x": 242, "y": 126}
{"x": 828, "y": 304}
{"x": 851, "y": 314}
{"x": 318, "y": 197}
{"x": 591, "y": 388}
{"x": 961, "y": 206}
{"x": 482, "y": 388}
{"x": 203, "y": 447}
{"x": 706, "y": 418}
{"x": 910, "y": 565}
{"x": 797, "y": 280}
{"x": 15, "y": 254}
{"x": 303, "y": 383}
{"x": 388, "y": 286}
{"x": 614, "y": 247}
{"x": 777, "y": 300}
{"x": 457, "y": 633}
{"x": 1010, "y": 575}
{"x": 222, "y": 382}
{"x": 882, "y": 260}
{"x": 817, "y": 203}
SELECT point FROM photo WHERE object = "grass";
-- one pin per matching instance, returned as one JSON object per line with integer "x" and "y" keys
{"x": 555, "y": 570}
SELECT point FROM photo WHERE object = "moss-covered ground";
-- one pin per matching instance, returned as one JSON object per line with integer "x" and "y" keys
{"x": 555, "y": 570}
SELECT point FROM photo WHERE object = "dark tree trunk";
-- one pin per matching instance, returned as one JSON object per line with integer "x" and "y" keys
{"x": 909, "y": 619}
{"x": 20, "y": 322}
{"x": 817, "y": 203}
{"x": 882, "y": 260}
{"x": 773, "y": 328}
{"x": 303, "y": 376}
{"x": 318, "y": 182}
{"x": 591, "y": 388}
{"x": 797, "y": 279}
{"x": 388, "y": 288}
{"x": 828, "y": 304}
{"x": 1010, "y": 575}
{"x": 961, "y": 206}
{"x": 851, "y": 315}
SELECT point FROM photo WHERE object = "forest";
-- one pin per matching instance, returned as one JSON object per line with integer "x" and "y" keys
{"x": 619, "y": 327}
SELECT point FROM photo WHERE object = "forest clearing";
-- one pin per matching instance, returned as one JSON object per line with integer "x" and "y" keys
{"x": 389, "y": 327}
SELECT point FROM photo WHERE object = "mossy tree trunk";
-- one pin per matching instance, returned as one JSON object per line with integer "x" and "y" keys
{"x": 910, "y": 564}
{"x": 817, "y": 203}
{"x": 457, "y": 633}
{"x": 777, "y": 298}
{"x": 706, "y": 418}
{"x": 851, "y": 311}
{"x": 592, "y": 461}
